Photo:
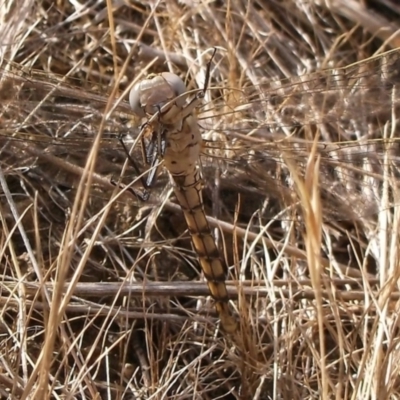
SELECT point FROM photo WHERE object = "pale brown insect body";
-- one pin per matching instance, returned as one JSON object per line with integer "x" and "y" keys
{"x": 159, "y": 98}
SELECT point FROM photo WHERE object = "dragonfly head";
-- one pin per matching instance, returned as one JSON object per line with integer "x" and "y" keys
{"x": 151, "y": 94}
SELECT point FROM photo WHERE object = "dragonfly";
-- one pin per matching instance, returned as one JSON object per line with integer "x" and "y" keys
{"x": 257, "y": 127}
{"x": 175, "y": 133}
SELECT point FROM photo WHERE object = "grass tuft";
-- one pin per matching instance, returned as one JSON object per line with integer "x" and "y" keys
{"x": 102, "y": 295}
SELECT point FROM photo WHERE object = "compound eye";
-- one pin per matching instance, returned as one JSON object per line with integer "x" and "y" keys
{"x": 134, "y": 101}
{"x": 177, "y": 85}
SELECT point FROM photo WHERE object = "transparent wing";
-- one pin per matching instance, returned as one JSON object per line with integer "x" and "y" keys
{"x": 250, "y": 131}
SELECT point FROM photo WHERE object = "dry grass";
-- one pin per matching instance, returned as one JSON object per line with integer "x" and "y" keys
{"x": 100, "y": 292}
